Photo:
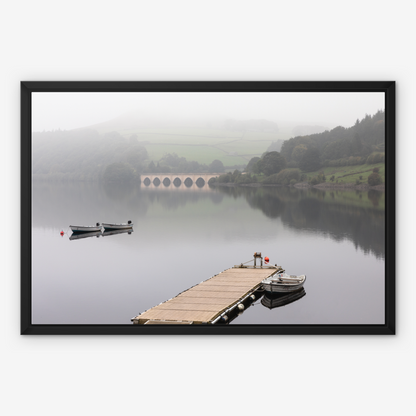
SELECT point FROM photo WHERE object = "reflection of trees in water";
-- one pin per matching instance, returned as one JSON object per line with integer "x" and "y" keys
{"x": 363, "y": 226}
{"x": 374, "y": 197}
{"x": 119, "y": 191}
{"x": 216, "y": 197}
{"x": 139, "y": 196}
{"x": 172, "y": 200}
{"x": 271, "y": 205}
{"x": 127, "y": 198}
{"x": 61, "y": 204}
{"x": 321, "y": 211}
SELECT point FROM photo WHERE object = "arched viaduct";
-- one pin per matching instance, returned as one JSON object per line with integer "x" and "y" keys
{"x": 176, "y": 180}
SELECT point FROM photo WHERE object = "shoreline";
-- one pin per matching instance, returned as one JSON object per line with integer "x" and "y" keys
{"x": 305, "y": 185}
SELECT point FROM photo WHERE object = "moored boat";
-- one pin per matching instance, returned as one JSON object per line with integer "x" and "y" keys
{"x": 85, "y": 228}
{"x": 282, "y": 282}
{"x": 115, "y": 226}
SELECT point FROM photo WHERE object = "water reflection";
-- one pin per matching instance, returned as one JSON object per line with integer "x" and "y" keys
{"x": 354, "y": 215}
{"x": 114, "y": 232}
{"x": 78, "y": 236}
{"x": 196, "y": 234}
{"x": 276, "y": 300}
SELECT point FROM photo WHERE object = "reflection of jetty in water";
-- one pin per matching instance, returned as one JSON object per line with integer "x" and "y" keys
{"x": 276, "y": 300}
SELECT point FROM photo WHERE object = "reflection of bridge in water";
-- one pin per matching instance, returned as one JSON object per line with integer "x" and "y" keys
{"x": 182, "y": 181}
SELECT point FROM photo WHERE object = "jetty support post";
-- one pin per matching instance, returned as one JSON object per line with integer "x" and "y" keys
{"x": 256, "y": 255}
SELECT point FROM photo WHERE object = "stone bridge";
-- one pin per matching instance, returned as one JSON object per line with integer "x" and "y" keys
{"x": 177, "y": 180}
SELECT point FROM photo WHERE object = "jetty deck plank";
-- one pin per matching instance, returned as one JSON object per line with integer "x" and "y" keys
{"x": 207, "y": 300}
{"x": 205, "y": 307}
{"x": 214, "y": 295}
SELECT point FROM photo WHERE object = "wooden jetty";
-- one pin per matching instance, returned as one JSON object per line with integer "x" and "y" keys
{"x": 211, "y": 300}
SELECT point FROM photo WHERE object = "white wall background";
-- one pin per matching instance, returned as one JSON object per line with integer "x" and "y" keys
{"x": 206, "y": 40}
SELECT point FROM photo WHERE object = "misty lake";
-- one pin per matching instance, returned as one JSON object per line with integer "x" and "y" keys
{"x": 184, "y": 236}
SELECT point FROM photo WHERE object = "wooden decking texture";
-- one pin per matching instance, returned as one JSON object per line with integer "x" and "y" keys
{"x": 206, "y": 301}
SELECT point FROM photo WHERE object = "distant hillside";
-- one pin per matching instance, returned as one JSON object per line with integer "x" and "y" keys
{"x": 231, "y": 141}
{"x": 339, "y": 146}
{"x": 86, "y": 155}
{"x": 125, "y": 147}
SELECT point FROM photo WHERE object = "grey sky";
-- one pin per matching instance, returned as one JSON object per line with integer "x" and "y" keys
{"x": 73, "y": 110}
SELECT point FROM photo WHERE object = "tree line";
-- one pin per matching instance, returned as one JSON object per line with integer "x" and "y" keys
{"x": 83, "y": 155}
{"x": 338, "y": 147}
{"x": 362, "y": 143}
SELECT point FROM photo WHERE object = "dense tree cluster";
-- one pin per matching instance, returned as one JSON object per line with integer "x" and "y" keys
{"x": 374, "y": 178}
{"x": 236, "y": 177}
{"x": 119, "y": 172}
{"x": 268, "y": 164}
{"x": 172, "y": 163}
{"x": 284, "y": 177}
{"x": 340, "y": 146}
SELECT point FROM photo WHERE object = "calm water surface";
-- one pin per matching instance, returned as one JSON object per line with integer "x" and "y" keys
{"x": 182, "y": 237}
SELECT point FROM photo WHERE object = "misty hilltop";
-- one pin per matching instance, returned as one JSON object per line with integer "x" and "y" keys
{"x": 135, "y": 145}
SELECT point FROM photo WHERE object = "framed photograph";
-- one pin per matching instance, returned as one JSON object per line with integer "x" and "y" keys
{"x": 208, "y": 208}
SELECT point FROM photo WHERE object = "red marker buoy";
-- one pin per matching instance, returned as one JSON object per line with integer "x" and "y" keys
{"x": 62, "y": 233}
{"x": 266, "y": 259}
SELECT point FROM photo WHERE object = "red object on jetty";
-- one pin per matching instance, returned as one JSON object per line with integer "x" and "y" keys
{"x": 62, "y": 233}
{"x": 266, "y": 259}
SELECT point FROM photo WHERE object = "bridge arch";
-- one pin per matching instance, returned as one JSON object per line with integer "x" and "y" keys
{"x": 177, "y": 180}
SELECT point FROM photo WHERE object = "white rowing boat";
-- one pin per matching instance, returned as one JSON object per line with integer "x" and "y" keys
{"x": 115, "y": 226}
{"x": 282, "y": 282}
{"x": 85, "y": 228}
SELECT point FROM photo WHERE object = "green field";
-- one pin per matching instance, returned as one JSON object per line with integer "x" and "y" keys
{"x": 197, "y": 141}
{"x": 203, "y": 145}
{"x": 350, "y": 174}
{"x": 200, "y": 154}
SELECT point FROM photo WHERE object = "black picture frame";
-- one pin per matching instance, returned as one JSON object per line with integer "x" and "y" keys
{"x": 29, "y": 87}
